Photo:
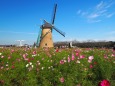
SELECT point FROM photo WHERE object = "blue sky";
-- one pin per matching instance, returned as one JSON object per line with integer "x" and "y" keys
{"x": 80, "y": 19}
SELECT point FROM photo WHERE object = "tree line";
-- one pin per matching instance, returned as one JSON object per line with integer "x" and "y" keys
{"x": 86, "y": 44}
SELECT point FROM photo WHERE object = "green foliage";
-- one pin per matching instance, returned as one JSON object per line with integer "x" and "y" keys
{"x": 56, "y": 67}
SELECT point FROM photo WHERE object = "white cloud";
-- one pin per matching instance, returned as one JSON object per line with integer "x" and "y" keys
{"x": 110, "y": 15}
{"x": 79, "y": 11}
{"x": 100, "y": 5}
{"x": 93, "y": 21}
{"x": 93, "y": 16}
{"x": 99, "y": 12}
{"x": 110, "y": 4}
{"x": 84, "y": 13}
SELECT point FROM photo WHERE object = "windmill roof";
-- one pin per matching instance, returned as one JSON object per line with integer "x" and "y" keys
{"x": 47, "y": 25}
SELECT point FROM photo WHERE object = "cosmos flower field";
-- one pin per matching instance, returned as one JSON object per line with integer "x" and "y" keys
{"x": 57, "y": 67}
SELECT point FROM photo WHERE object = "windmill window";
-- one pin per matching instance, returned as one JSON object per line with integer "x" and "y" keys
{"x": 45, "y": 44}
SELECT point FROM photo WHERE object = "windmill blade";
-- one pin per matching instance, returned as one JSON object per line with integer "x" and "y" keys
{"x": 59, "y": 31}
{"x": 38, "y": 39}
{"x": 53, "y": 18}
{"x": 45, "y": 21}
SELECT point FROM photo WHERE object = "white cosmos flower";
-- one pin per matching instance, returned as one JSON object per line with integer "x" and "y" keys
{"x": 32, "y": 66}
{"x": 64, "y": 58}
{"x": 6, "y": 64}
{"x": 48, "y": 67}
{"x": 77, "y": 61}
{"x": 30, "y": 63}
{"x": 38, "y": 63}
{"x": 65, "y": 61}
{"x": 34, "y": 55}
{"x": 27, "y": 65}
{"x": 42, "y": 68}
{"x": 0, "y": 53}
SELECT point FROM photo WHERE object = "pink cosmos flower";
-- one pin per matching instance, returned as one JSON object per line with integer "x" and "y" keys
{"x": 26, "y": 59}
{"x": 89, "y": 60}
{"x": 82, "y": 56}
{"x": 42, "y": 58}
{"x": 90, "y": 57}
{"x": 13, "y": 66}
{"x": 7, "y": 68}
{"x": 18, "y": 59}
{"x": 73, "y": 57}
{"x": 12, "y": 51}
{"x": 105, "y": 56}
{"x": 77, "y": 54}
{"x": 104, "y": 83}
{"x": 91, "y": 66}
{"x": 34, "y": 52}
{"x": 68, "y": 59}
{"x": 24, "y": 55}
{"x": 113, "y": 55}
{"x": 9, "y": 57}
{"x": 2, "y": 67}
{"x": 61, "y": 61}
{"x": 2, "y": 56}
{"x": 62, "y": 79}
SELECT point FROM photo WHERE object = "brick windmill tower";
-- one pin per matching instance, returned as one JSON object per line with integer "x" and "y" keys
{"x": 45, "y": 34}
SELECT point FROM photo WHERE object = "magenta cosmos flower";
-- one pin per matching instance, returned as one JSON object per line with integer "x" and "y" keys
{"x": 61, "y": 61}
{"x": 104, "y": 83}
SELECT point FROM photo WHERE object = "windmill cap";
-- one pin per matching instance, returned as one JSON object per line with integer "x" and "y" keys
{"x": 46, "y": 25}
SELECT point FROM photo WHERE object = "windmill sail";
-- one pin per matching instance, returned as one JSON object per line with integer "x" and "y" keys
{"x": 39, "y": 37}
{"x": 59, "y": 31}
{"x": 53, "y": 19}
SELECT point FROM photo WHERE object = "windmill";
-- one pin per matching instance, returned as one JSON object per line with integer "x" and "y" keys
{"x": 45, "y": 34}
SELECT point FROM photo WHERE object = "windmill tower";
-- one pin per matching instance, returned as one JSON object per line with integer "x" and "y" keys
{"x": 45, "y": 34}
